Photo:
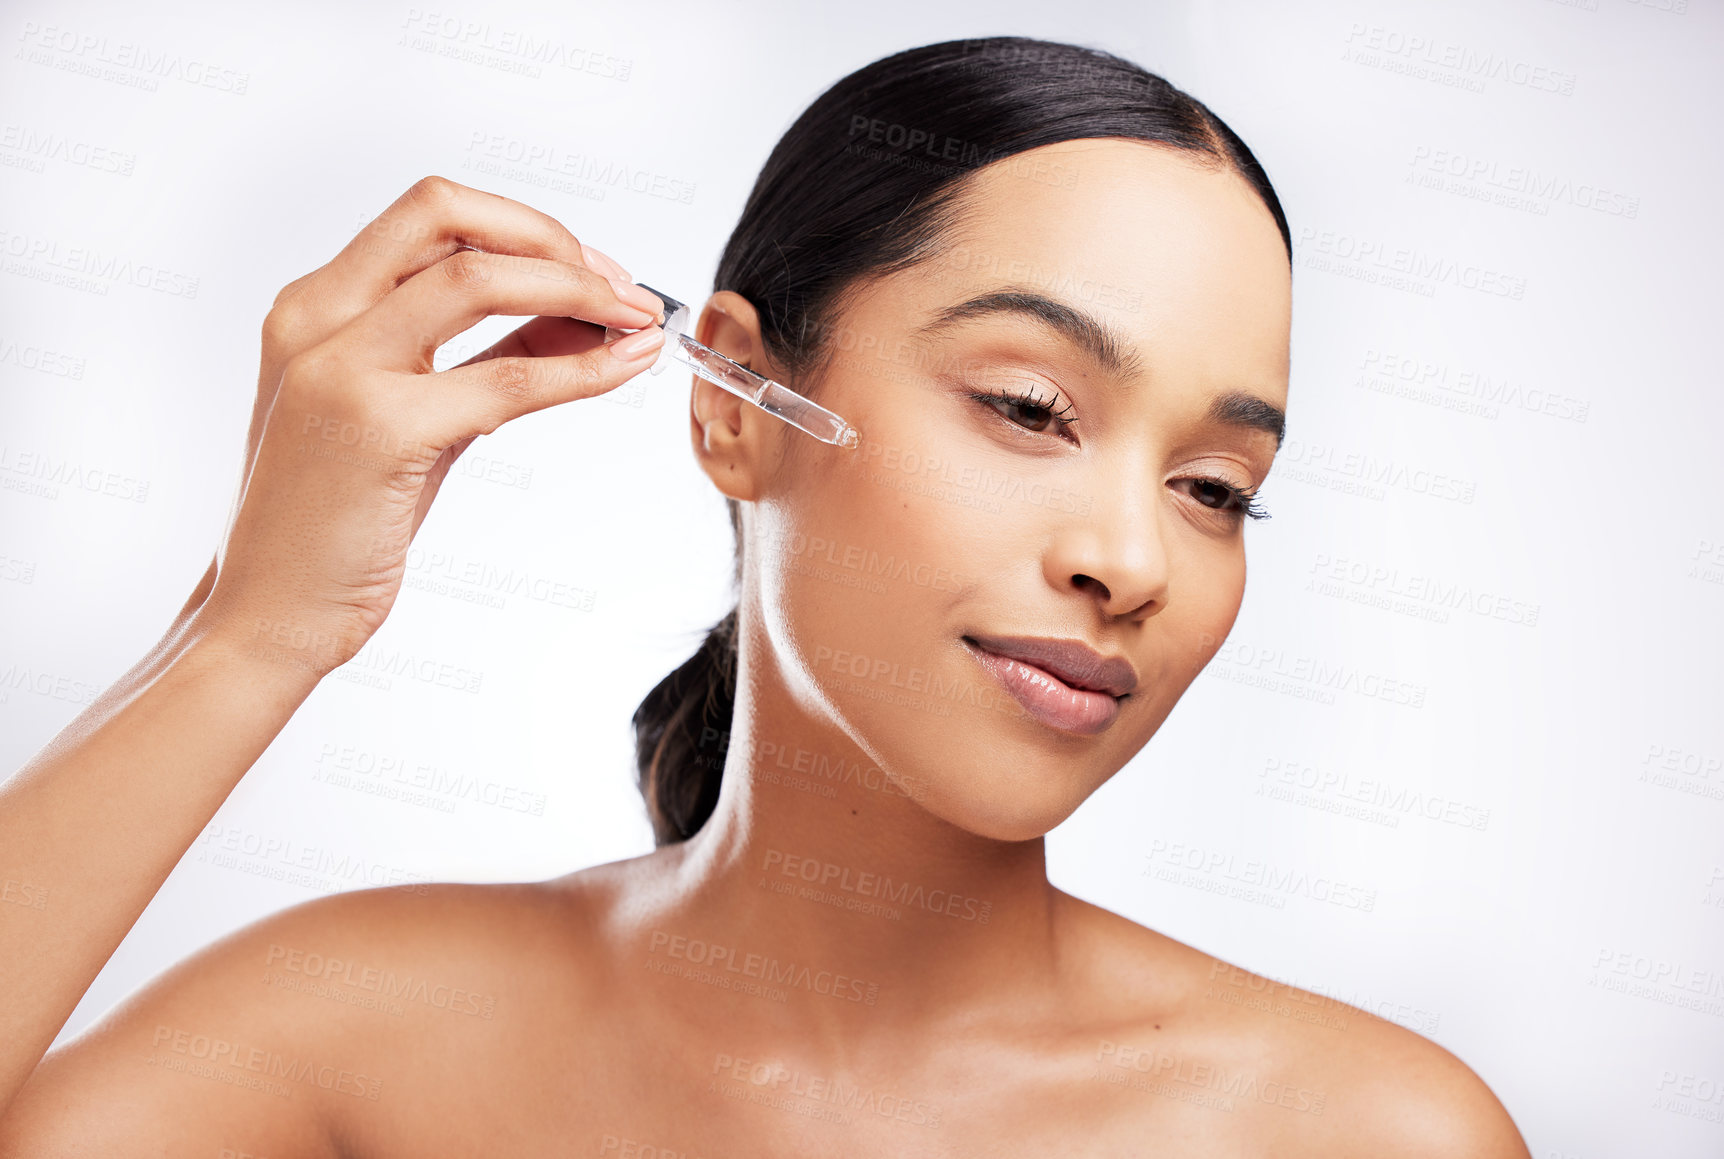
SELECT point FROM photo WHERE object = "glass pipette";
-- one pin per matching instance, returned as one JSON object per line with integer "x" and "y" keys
{"x": 772, "y": 397}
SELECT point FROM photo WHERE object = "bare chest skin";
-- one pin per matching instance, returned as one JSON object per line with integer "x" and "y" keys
{"x": 641, "y": 1054}
{"x": 627, "y": 1082}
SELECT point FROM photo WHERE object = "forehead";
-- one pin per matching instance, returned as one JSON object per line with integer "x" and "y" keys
{"x": 1180, "y": 255}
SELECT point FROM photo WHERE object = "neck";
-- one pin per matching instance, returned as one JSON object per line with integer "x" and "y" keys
{"x": 815, "y": 856}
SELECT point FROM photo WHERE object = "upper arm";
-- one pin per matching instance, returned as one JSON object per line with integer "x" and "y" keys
{"x": 1413, "y": 1098}
{"x": 215, "y": 1056}
{"x": 1457, "y": 1117}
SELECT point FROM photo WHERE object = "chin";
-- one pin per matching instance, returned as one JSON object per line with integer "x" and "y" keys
{"x": 1004, "y": 820}
{"x": 1017, "y": 806}
{"x": 998, "y": 826}
{"x": 990, "y": 774}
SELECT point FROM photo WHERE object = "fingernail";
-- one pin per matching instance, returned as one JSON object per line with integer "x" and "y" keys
{"x": 605, "y": 262}
{"x": 638, "y": 297}
{"x": 638, "y": 343}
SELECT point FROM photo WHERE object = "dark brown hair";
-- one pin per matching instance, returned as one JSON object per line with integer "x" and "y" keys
{"x": 865, "y": 184}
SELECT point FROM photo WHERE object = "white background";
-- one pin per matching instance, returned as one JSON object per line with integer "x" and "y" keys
{"x": 1502, "y": 502}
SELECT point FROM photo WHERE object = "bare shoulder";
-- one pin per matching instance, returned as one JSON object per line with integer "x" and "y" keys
{"x": 1310, "y": 1074}
{"x": 268, "y": 1040}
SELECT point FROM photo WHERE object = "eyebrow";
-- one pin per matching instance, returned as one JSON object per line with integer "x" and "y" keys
{"x": 1104, "y": 345}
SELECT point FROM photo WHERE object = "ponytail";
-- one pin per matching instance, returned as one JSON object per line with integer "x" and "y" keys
{"x": 682, "y": 729}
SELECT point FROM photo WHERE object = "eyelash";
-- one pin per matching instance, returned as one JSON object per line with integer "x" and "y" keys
{"x": 1026, "y": 399}
{"x": 1247, "y": 500}
{"x": 1248, "y": 506}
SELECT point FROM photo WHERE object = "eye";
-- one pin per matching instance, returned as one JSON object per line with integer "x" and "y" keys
{"x": 1227, "y": 500}
{"x": 1028, "y": 408}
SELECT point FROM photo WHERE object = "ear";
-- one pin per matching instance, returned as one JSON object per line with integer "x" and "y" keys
{"x": 730, "y": 437}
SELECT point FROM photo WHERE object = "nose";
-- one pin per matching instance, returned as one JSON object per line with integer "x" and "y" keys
{"x": 1115, "y": 553}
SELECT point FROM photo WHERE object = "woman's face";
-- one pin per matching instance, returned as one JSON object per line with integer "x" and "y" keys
{"x": 1119, "y": 286}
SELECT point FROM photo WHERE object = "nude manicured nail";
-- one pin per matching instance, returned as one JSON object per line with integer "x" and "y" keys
{"x": 638, "y": 343}
{"x": 605, "y": 263}
{"x": 640, "y": 299}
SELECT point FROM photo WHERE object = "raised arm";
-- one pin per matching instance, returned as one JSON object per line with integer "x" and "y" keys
{"x": 351, "y": 436}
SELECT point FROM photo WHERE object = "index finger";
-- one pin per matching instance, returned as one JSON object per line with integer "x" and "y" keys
{"x": 436, "y": 218}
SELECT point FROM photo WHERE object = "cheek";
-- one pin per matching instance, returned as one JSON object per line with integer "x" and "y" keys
{"x": 859, "y": 573}
{"x": 1198, "y": 624}
{"x": 1191, "y": 630}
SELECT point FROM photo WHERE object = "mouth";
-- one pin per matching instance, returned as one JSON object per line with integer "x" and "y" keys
{"x": 1064, "y": 684}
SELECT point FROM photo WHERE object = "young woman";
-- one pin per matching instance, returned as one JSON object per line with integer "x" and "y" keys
{"x": 1053, "y": 294}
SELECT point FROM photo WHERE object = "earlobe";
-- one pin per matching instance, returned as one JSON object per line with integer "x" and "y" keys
{"x": 724, "y": 438}
{"x": 715, "y": 419}
{"x": 724, "y": 434}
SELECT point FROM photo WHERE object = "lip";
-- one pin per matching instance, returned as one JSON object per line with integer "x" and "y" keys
{"x": 1065, "y": 684}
